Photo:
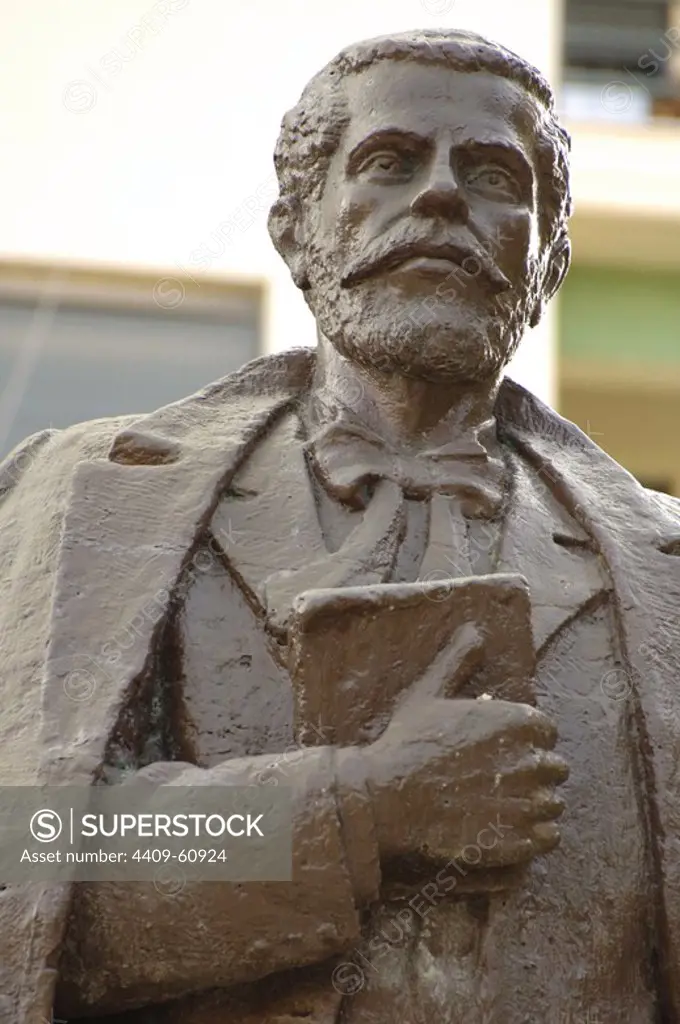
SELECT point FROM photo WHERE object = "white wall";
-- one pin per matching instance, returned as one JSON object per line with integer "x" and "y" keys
{"x": 140, "y": 132}
{"x": 627, "y": 167}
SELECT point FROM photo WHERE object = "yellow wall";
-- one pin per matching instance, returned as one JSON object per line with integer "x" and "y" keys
{"x": 636, "y": 424}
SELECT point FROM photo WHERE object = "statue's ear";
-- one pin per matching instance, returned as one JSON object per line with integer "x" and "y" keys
{"x": 286, "y": 231}
{"x": 556, "y": 271}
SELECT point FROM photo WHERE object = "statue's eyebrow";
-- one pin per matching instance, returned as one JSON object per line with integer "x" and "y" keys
{"x": 384, "y": 137}
{"x": 490, "y": 147}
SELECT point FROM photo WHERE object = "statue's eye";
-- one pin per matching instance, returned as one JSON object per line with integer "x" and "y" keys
{"x": 385, "y": 164}
{"x": 493, "y": 178}
{"x": 494, "y": 182}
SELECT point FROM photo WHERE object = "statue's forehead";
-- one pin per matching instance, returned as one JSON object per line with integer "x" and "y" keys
{"x": 426, "y": 97}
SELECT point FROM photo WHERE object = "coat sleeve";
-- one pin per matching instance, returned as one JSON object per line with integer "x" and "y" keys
{"x": 129, "y": 945}
{"x": 35, "y": 485}
{"x": 35, "y": 482}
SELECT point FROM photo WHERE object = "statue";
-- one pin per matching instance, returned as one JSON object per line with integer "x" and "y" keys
{"x": 152, "y": 621}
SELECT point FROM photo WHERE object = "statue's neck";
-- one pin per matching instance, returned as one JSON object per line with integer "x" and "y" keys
{"x": 407, "y": 412}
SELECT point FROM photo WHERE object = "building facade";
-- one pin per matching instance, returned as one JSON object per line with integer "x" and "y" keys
{"x": 619, "y": 311}
{"x": 141, "y": 136}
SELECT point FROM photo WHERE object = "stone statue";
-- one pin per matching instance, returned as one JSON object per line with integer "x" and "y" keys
{"x": 151, "y": 619}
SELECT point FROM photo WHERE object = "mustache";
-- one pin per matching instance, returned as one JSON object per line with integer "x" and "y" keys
{"x": 472, "y": 259}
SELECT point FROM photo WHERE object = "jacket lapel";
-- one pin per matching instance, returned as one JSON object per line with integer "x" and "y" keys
{"x": 560, "y": 566}
{"x": 268, "y": 521}
{"x": 269, "y": 528}
{"x": 638, "y": 536}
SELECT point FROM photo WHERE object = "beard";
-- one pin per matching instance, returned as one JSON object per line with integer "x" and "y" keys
{"x": 452, "y": 331}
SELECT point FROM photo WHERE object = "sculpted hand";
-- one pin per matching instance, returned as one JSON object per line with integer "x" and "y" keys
{"x": 445, "y": 772}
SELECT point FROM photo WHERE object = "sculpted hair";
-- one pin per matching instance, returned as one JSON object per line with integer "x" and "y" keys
{"x": 311, "y": 131}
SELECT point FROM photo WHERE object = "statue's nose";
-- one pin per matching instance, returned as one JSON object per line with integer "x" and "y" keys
{"x": 441, "y": 196}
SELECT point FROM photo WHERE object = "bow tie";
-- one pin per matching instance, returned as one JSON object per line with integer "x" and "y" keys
{"x": 348, "y": 456}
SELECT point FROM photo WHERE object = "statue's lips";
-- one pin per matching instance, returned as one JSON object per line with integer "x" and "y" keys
{"x": 434, "y": 261}
{"x": 429, "y": 266}
{"x": 430, "y": 260}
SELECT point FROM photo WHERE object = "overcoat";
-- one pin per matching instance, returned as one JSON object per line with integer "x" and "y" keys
{"x": 95, "y": 518}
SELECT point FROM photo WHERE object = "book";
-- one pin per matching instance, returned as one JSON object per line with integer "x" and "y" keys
{"x": 358, "y": 653}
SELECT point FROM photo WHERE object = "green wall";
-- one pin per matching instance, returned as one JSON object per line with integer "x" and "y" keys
{"x": 620, "y": 314}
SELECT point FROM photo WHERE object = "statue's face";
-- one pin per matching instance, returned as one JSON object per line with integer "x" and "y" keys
{"x": 422, "y": 256}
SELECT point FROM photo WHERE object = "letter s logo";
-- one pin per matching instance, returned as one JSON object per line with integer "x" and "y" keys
{"x": 46, "y": 826}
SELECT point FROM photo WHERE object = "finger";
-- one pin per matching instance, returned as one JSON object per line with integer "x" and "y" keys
{"x": 523, "y": 845}
{"x": 512, "y": 849}
{"x": 545, "y": 837}
{"x": 543, "y": 805}
{"x": 525, "y": 723}
{"x": 525, "y": 812}
{"x": 540, "y": 768}
{"x": 554, "y": 768}
{"x": 541, "y": 728}
{"x": 547, "y": 806}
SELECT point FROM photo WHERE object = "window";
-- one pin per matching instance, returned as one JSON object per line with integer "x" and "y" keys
{"x": 622, "y": 59}
{"x": 606, "y": 34}
{"x": 77, "y": 344}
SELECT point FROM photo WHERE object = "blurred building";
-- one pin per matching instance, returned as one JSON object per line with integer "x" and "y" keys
{"x": 619, "y": 310}
{"x": 137, "y": 175}
{"x": 81, "y": 342}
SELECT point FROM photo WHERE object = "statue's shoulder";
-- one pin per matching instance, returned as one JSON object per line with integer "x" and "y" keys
{"x": 579, "y": 459}
{"x": 50, "y": 455}
{"x": 53, "y": 452}
{"x": 668, "y": 503}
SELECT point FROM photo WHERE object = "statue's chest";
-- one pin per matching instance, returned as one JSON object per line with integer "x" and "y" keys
{"x": 234, "y": 696}
{"x": 571, "y": 942}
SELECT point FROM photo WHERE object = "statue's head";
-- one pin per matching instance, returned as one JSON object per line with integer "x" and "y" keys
{"x": 423, "y": 203}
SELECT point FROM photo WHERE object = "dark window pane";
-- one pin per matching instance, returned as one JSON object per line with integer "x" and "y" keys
{"x": 611, "y": 33}
{"x": 75, "y": 363}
